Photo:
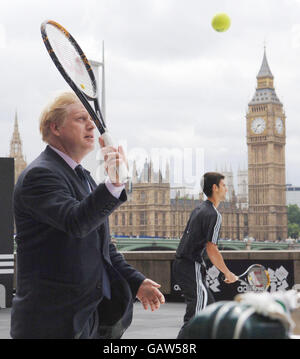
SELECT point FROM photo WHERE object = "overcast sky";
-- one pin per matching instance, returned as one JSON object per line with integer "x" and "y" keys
{"x": 171, "y": 80}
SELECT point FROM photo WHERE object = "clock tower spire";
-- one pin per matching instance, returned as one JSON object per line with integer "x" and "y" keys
{"x": 16, "y": 150}
{"x": 266, "y": 160}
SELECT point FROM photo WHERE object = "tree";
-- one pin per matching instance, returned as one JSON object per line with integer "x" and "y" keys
{"x": 293, "y": 230}
{"x": 293, "y": 212}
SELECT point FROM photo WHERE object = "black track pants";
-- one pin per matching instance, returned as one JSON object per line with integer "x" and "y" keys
{"x": 191, "y": 277}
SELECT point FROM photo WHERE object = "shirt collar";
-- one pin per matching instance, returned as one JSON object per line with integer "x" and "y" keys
{"x": 210, "y": 202}
{"x": 67, "y": 158}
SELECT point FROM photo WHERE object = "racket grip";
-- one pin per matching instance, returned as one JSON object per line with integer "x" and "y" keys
{"x": 122, "y": 170}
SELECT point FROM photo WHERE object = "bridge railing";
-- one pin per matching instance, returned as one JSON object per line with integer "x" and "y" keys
{"x": 129, "y": 244}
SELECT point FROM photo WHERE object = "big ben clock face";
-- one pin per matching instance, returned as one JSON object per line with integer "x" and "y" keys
{"x": 258, "y": 125}
{"x": 279, "y": 125}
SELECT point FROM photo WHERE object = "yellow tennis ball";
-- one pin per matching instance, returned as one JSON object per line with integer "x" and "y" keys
{"x": 221, "y": 22}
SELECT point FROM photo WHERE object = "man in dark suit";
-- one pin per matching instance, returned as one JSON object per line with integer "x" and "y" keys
{"x": 71, "y": 280}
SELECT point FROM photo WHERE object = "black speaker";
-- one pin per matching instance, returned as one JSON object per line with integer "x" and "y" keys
{"x": 6, "y": 231}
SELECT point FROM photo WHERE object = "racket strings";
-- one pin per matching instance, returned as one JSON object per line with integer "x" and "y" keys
{"x": 71, "y": 60}
{"x": 258, "y": 278}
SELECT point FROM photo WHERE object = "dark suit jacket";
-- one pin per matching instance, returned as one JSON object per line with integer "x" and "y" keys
{"x": 63, "y": 242}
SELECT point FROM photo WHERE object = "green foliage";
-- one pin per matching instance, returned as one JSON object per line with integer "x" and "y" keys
{"x": 293, "y": 212}
{"x": 293, "y": 230}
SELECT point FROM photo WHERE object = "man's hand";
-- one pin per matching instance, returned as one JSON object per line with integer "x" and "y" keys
{"x": 148, "y": 294}
{"x": 230, "y": 277}
{"x": 113, "y": 158}
{"x": 216, "y": 258}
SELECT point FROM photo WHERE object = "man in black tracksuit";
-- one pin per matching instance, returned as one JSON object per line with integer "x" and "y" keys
{"x": 201, "y": 235}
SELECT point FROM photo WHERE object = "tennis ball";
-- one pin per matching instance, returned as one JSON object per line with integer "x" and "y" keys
{"x": 221, "y": 22}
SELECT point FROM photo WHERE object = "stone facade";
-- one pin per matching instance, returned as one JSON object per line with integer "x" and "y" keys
{"x": 266, "y": 139}
{"x": 150, "y": 212}
{"x": 259, "y": 212}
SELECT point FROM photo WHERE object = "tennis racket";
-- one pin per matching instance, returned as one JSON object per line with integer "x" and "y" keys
{"x": 75, "y": 68}
{"x": 256, "y": 277}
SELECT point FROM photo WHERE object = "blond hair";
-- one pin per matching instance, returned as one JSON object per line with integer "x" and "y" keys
{"x": 55, "y": 112}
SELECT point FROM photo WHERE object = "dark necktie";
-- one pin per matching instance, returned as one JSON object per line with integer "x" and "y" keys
{"x": 82, "y": 174}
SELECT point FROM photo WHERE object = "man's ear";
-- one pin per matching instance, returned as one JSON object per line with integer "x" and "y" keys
{"x": 54, "y": 128}
{"x": 214, "y": 187}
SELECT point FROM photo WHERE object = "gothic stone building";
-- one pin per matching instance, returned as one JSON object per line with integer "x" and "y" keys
{"x": 266, "y": 138}
{"x": 16, "y": 150}
{"x": 151, "y": 212}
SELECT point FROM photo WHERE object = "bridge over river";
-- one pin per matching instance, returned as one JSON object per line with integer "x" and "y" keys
{"x": 144, "y": 244}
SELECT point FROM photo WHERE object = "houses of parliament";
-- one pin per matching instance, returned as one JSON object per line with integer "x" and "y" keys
{"x": 257, "y": 209}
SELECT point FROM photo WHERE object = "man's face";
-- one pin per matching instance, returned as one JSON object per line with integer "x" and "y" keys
{"x": 76, "y": 133}
{"x": 221, "y": 190}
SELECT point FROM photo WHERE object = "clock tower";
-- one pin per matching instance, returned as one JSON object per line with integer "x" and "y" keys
{"x": 266, "y": 160}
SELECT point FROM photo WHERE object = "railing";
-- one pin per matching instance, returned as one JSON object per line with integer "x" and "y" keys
{"x": 135, "y": 244}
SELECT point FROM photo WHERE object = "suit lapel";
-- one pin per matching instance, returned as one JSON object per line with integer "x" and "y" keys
{"x": 68, "y": 170}
{"x": 59, "y": 160}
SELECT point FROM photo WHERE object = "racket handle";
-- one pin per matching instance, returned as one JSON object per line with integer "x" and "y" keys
{"x": 122, "y": 171}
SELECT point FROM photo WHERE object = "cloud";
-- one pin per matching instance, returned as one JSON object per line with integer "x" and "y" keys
{"x": 170, "y": 79}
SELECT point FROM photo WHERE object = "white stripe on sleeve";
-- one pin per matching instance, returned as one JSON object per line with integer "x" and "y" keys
{"x": 217, "y": 227}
